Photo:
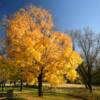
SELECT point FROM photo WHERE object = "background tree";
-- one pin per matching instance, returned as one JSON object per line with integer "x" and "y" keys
{"x": 89, "y": 46}
{"x": 4, "y": 71}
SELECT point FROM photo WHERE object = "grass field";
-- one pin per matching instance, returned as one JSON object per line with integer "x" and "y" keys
{"x": 64, "y": 92}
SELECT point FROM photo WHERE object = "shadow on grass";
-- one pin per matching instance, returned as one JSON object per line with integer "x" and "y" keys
{"x": 78, "y": 93}
{"x": 3, "y": 96}
{"x": 63, "y": 95}
{"x": 15, "y": 99}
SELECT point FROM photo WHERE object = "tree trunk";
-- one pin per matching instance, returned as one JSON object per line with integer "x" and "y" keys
{"x": 89, "y": 79}
{"x": 14, "y": 83}
{"x": 21, "y": 85}
{"x": 86, "y": 86}
{"x": 2, "y": 86}
{"x": 40, "y": 92}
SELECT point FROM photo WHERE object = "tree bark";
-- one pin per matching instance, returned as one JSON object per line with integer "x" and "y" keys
{"x": 86, "y": 86}
{"x": 40, "y": 92}
{"x": 14, "y": 83}
{"x": 21, "y": 85}
{"x": 89, "y": 79}
{"x": 2, "y": 86}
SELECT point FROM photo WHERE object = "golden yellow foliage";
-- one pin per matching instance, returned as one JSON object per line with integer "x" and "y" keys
{"x": 71, "y": 74}
{"x": 33, "y": 43}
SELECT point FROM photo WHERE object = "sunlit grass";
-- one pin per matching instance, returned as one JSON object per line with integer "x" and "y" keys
{"x": 59, "y": 93}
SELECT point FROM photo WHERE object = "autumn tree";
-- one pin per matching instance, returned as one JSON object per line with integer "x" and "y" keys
{"x": 32, "y": 44}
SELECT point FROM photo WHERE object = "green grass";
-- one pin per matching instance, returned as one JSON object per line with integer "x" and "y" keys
{"x": 61, "y": 93}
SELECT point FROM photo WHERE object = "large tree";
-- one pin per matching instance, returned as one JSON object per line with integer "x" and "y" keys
{"x": 32, "y": 43}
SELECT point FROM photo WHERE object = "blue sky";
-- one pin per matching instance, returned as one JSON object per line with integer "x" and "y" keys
{"x": 67, "y": 14}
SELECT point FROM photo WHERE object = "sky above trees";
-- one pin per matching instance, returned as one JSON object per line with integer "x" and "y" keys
{"x": 67, "y": 14}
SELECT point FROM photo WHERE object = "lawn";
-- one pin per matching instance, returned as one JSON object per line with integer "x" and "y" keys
{"x": 64, "y": 92}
